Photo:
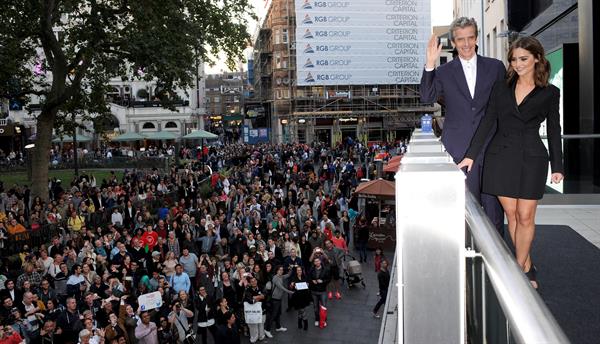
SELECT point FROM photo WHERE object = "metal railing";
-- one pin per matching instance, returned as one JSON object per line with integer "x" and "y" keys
{"x": 455, "y": 285}
{"x": 528, "y": 318}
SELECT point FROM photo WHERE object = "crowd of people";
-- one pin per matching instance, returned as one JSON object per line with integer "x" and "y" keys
{"x": 268, "y": 231}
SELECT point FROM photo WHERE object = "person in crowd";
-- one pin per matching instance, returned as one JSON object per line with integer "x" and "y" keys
{"x": 254, "y": 294}
{"x": 146, "y": 331}
{"x": 335, "y": 256}
{"x": 89, "y": 272}
{"x": 362, "y": 238}
{"x": 179, "y": 320}
{"x": 228, "y": 333}
{"x": 516, "y": 160}
{"x": 301, "y": 298}
{"x": 383, "y": 279}
{"x": 278, "y": 291}
{"x": 205, "y": 307}
{"x": 180, "y": 281}
{"x": 378, "y": 258}
{"x": 319, "y": 276}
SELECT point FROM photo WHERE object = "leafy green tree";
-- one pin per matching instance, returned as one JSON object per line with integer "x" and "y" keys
{"x": 81, "y": 44}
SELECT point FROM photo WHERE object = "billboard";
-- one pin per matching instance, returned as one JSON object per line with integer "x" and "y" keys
{"x": 361, "y": 42}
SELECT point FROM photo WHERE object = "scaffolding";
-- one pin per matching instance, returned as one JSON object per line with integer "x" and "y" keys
{"x": 294, "y": 107}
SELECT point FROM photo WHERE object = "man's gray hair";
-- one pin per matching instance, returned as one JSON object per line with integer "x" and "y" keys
{"x": 461, "y": 23}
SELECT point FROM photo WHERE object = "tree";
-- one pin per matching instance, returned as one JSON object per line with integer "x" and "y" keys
{"x": 66, "y": 51}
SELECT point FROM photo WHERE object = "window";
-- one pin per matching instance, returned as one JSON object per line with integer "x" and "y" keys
{"x": 148, "y": 125}
{"x": 494, "y": 43}
{"x": 277, "y": 37}
{"x": 277, "y": 60}
{"x": 171, "y": 125}
{"x": 217, "y": 99}
{"x": 284, "y": 35}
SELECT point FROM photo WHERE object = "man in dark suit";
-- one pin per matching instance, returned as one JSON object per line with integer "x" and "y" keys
{"x": 465, "y": 84}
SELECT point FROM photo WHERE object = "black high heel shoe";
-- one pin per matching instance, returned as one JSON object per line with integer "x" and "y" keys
{"x": 532, "y": 276}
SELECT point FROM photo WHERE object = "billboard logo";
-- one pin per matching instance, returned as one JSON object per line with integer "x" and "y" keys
{"x": 309, "y": 78}
{"x": 333, "y": 33}
{"x": 332, "y": 19}
{"x": 332, "y": 4}
{"x": 334, "y": 77}
{"x": 306, "y": 5}
{"x": 308, "y": 34}
{"x": 340, "y": 48}
{"x": 307, "y": 20}
{"x": 309, "y": 64}
{"x": 308, "y": 49}
{"x": 334, "y": 62}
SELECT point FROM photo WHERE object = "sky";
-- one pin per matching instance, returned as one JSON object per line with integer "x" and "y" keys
{"x": 441, "y": 14}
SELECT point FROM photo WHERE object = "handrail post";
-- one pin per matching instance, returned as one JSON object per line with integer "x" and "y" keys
{"x": 430, "y": 208}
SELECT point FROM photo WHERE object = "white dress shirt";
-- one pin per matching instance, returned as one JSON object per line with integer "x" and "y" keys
{"x": 470, "y": 70}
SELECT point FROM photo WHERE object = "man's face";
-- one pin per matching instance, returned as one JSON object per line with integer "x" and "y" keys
{"x": 10, "y": 285}
{"x": 8, "y": 303}
{"x": 146, "y": 318}
{"x": 71, "y": 304}
{"x": 464, "y": 40}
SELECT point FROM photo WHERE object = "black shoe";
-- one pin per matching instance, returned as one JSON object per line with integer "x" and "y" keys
{"x": 532, "y": 276}
{"x": 300, "y": 323}
{"x": 305, "y": 322}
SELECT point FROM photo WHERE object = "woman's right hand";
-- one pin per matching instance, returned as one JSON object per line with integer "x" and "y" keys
{"x": 466, "y": 162}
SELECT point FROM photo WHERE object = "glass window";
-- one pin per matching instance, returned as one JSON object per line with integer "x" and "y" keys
{"x": 284, "y": 35}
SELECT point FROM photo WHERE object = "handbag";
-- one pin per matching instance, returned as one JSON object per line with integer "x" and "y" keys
{"x": 253, "y": 312}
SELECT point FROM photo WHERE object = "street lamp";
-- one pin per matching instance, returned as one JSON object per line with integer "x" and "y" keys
{"x": 28, "y": 149}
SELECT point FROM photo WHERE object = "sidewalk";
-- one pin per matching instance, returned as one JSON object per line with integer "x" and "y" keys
{"x": 349, "y": 320}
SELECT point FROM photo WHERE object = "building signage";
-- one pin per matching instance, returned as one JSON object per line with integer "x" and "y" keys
{"x": 358, "y": 42}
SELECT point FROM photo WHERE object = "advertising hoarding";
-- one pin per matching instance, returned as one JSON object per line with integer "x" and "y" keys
{"x": 358, "y": 42}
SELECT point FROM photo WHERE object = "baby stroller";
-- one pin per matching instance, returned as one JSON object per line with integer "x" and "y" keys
{"x": 352, "y": 271}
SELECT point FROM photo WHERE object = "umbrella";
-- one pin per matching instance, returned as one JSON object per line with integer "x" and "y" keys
{"x": 131, "y": 136}
{"x": 68, "y": 138}
{"x": 200, "y": 134}
{"x": 378, "y": 188}
{"x": 160, "y": 135}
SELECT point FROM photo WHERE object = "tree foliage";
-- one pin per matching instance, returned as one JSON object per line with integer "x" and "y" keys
{"x": 66, "y": 51}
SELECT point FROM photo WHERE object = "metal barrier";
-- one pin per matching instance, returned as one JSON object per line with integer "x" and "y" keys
{"x": 529, "y": 319}
{"x": 444, "y": 273}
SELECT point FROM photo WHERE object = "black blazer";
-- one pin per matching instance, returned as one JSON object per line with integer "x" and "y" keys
{"x": 516, "y": 160}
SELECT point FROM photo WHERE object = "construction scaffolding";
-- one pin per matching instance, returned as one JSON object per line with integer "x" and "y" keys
{"x": 307, "y": 113}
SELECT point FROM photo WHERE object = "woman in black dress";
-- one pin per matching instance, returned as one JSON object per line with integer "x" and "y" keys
{"x": 516, "y": 160}
{"x": 301, "y": 297}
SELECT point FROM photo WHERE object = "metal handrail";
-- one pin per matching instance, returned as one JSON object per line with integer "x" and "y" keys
{"x": 529, "y": 318}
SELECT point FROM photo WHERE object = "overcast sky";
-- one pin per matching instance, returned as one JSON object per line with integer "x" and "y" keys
{"x": 441, "y": 14}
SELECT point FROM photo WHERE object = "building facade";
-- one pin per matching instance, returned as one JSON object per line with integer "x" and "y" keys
{"x": 224, "y": 102}
{"x": 134, "y": 106}
{"x": 330, "y": 114}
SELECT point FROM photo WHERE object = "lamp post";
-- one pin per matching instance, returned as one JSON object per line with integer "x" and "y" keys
{"x": 28, "y": 150}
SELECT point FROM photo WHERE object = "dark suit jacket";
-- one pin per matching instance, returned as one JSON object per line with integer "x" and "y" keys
{"x": 463, "y": 113}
